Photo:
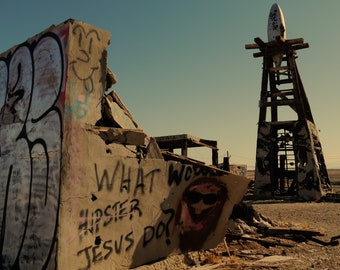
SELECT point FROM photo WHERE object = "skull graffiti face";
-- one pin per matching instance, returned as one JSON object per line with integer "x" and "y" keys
{"x": 198, "y": 211}
{"x": 201, "y": 200}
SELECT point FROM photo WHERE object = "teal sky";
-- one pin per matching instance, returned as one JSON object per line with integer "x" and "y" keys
{"x": 182, "y": 66}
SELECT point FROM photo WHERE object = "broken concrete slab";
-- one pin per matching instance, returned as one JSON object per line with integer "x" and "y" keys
{"x": 89, "y": 196}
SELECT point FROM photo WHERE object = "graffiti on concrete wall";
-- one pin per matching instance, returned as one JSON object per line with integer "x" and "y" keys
{"x": 83, "y": 65}
{"x": 263, "y": 160}
{"x": 117, "y": 202}
{"x": 140, "y": 213}
{"x": 31, "y": 81}
{"x": 61, "y": 208}
{"x": 194, "y": 212}
{"x": 310, "y": 176}
{"x": 199, "y": 211}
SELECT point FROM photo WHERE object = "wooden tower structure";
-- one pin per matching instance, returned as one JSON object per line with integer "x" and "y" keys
{"x": 289, "y": 157}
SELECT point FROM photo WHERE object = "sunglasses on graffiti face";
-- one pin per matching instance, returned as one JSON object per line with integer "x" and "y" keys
{"x": 193, "y": 197}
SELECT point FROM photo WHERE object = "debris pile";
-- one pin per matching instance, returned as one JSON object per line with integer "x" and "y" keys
{"x": 247, "y": 224}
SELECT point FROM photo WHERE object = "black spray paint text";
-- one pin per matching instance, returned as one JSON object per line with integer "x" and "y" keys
{"x": 102, "y": 251}
{"x": 126, "y": 179}
{"x": 161, "y": 229}
{"x": 90, "y": 222}
{"x": 179, "y": 172}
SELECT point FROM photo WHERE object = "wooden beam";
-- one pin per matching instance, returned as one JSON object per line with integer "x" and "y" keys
{"x": 281, "y": 231}
{"x": 187, "y": 160}
{"x": 264, "y": 242}
{"x": 289, "y": 102}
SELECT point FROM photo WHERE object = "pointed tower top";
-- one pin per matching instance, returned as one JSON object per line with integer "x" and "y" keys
{"x": 276, "y": 23}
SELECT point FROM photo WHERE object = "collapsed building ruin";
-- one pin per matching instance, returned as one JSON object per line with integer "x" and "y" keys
{"x": 82, "y": 185}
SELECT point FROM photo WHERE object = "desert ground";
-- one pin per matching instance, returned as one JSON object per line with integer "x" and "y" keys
{"x": 258, "y": 250}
